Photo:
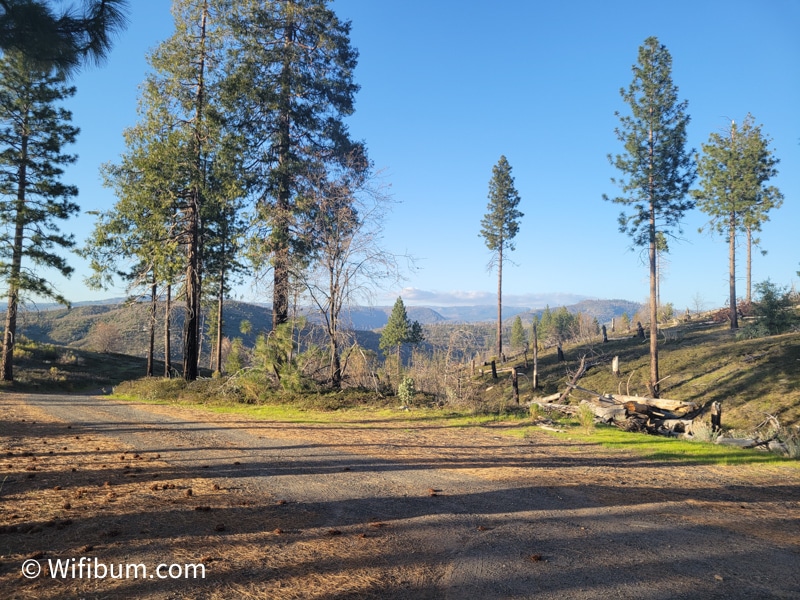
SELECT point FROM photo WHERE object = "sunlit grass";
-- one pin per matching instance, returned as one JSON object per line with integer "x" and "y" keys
{"x": 514, "y": 424}
{"x": 672, "y": 449}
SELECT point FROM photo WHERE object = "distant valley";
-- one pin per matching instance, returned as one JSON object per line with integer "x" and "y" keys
{"x": 127, "y": 323}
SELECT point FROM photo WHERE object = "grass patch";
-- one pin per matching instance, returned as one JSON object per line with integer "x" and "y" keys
{"x": 674, "y": 450}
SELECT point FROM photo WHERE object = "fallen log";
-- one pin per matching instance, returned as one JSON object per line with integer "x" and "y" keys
{"x": 673, "y": 406}
{"x": 608, "y": 414}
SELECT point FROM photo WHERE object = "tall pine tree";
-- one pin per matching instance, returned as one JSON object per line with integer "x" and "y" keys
{"x": 291, "y": 88}
{"x": 657, "y": 170}
{"x": 174, "y": 178}
{"x": 734, "y": 170}
{"x": 33, "y": 132}
{"x": 499, "y": 227}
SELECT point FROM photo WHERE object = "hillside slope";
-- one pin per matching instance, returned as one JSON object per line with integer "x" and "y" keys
{"x": 706, "y": 363}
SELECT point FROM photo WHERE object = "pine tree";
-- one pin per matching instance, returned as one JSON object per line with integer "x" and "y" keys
{"x": 400, "y": 330}
{"x": 291, "y": 88}
{"x": 33, "y": 131}
{"x": 657, "y": 169}
{"x": 518, "y": 337}
{"x": 734, "y": 170}
{"x": 175, "y": 183}
{"x": 62, "y": 40}
{"x": 499, "y": 227}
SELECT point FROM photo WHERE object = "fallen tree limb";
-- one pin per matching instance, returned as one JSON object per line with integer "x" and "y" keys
{"x": 578, "y": 374}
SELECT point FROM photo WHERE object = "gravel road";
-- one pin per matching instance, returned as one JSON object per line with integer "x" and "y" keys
{"x": 540, "y": 521}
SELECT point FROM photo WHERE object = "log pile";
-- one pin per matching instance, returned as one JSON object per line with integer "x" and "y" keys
{"x": 634, "y": 413}
{"x": 671, "y": 418}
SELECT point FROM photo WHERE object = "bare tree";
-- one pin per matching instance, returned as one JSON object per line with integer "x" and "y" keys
{"x": 348, "y": 261}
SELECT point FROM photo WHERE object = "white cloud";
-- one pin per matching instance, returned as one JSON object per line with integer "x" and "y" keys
{"x": 417, "y": 297}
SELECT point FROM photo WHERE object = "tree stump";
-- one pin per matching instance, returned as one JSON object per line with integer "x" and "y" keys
{"x": 615, "y": 366}
{"x": 515, "y": 384}
{"x": 716, "y": 416}
{"x": 605, "y": 334}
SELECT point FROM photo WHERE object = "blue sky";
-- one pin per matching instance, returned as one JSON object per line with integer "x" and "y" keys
{"x": 446, "y": 90}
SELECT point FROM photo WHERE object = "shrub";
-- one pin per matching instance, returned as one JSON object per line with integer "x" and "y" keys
{"x": 752, "y": 331}
{"x": 586, "y": 417}
{"x": 773, "y": 307}
{"x": 702, "y": 431}
{"x": 406, "y": 390}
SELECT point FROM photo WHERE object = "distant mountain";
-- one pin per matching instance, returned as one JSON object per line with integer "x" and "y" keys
{"x": 73, "y": 326}
{"x": 477, "y": 314}
{"x": 602, "y": 310}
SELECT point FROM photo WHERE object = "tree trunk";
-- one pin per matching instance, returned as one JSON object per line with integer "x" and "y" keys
{"x": 151, "y": 345}
{"x": 220, "y": 306}
{"x": 535, "y": 383}
{"x": 192, "y": 318}
{"x": 191, "y": 334}
{"x": 732, "y": 270}
{"x": 280, "y": 281}
{"x": 16, "y": 262}
{"x": 749, "y": 264}
{"x": 167, "y": 333}
{"x": 9, "y": 334}
{"x": 500, "y": 302}
{"x": 515, "y": 384}
{"x": 654, "y": 379}
{"x": 335, "y": 366}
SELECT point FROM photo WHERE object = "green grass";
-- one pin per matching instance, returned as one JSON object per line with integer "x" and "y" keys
{"x": 663, "y": 449}
{"x": 354, "y": 417}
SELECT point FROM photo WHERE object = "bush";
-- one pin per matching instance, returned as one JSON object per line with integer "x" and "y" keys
{"x": 773, "y": 307}
{"x": 586, "y": 417}
{"x": 702, "y": 431}
{"x": 752, "y": 331}
{"x": 406, "y": 390}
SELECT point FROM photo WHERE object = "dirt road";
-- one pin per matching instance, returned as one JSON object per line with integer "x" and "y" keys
{"x": 374, "y": 509}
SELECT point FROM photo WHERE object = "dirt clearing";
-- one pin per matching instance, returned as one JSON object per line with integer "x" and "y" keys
{"x": 369, "y": 510}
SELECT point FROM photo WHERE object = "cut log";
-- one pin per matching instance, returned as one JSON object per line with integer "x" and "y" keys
{"x": 606, "y": 413}
{"x": 673, "y": 406}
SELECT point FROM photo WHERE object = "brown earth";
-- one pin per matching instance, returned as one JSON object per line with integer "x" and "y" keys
{"x": 371, "y": 509}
